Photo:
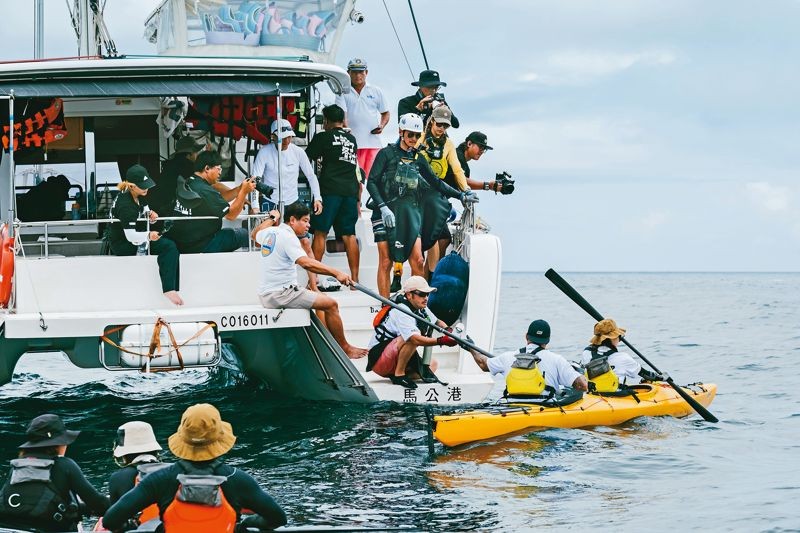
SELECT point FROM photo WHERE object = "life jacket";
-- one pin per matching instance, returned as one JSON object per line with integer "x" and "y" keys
{"x": 600, "y": 373}
{"x": 143, "y": 470}
{"x": 525, "y": 377}
{"x": 30, "y": 497}
{"x": 434, "y": 153}
{"x": 199, "y": 503}
{"x": 379, "y": 322}
{"x": 236, "y": 116}
{"x": 39, "y": 129}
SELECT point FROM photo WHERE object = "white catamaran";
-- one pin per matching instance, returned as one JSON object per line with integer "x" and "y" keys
{"x": 60, "y": 293}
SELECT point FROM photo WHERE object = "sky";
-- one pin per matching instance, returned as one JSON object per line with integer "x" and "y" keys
{"x": 644, "y": 135}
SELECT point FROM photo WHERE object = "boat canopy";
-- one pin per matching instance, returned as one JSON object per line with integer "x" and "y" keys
{"x": 163, "y": 76}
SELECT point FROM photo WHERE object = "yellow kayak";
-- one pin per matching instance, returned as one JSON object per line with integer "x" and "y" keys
{"x": 657, "y": 399}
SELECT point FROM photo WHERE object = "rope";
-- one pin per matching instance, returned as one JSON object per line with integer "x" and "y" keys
{"x": 410, "y": 70}
{"x": 419, "y": 37}
{"x": 155, "y": 341}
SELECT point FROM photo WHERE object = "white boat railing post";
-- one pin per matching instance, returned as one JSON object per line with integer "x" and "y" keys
{"x": 279, "y": 147}
{"x": 12, "y": 197}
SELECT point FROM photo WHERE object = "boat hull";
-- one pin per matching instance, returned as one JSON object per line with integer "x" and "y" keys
{"x": 657, "y": 400}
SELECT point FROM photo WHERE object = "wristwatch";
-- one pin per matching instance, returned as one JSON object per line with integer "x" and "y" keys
{"x": 485, "y": 185}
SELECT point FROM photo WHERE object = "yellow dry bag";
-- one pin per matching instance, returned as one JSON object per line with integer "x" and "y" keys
{"x": 601, "y": 376}
{"x": 525, "y": 378}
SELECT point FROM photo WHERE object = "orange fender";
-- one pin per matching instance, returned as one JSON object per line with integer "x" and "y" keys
{"x": 6, "y": 265}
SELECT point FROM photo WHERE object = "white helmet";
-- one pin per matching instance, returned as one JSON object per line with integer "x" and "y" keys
{"x": 411, "y": 122}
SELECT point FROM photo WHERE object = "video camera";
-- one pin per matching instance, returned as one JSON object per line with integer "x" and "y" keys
{"x": 503, "y": 182}
{"x": 262, "y": 187}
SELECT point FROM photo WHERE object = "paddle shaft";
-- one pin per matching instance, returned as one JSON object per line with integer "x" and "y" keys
{"x": 463, "y": 342}
{"x": 573, "y": 295}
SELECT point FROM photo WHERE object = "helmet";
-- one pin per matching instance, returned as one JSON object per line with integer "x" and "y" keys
{"x": 411, "y": 122}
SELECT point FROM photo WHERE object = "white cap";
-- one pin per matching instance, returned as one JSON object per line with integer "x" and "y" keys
{"x": 286, "y": 128}
{"x": 417, "y": 283}
{"x": 135, "y": 437}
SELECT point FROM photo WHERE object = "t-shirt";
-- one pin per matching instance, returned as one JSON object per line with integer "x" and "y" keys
{"x": 402, "y": 325}
{"x": 280, "y": 250}
{"x": 127, "y": 211}
{"x": 557, "y": 370}
{"x": 293, "y": 160}
{"x": 337, "y": 148}
{"x": 192, "y": 236}
{"x": 364, "y": 113}
{"x": 625, "y": 366}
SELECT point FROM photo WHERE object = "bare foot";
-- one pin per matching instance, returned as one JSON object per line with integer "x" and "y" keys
{"x": 174, "y": 297}
{"x": 355, "y": 353}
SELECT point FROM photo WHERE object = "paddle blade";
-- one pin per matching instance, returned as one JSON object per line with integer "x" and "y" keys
{"x": 573, "y": 295}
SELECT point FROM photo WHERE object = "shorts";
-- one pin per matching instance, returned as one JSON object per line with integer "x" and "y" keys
{"x": 387, "y": 361}
{"x": 366, "y": 156}
{"x": 378, "y": 229}
{"x": 341, "y": 212}
{"x": 292, "y": 297}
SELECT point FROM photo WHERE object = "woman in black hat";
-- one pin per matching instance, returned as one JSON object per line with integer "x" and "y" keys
{"x": 127, "y": 236}
{"x": 41, "y": 487}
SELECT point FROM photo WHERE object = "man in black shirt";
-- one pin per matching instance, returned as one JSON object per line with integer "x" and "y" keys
{"x": 162, "y": 196}
{"x": 202, "y": 199}
{"x": 473, "y": 147}
{"x": 338, "y": 182}
{"x": 426, "y": 98}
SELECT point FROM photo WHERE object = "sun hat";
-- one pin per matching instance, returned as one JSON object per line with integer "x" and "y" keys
{"x": 539, "y": 332}
{"x": 188, "y": 145}
{"x": 357, "y": 64}
{"x": 137, "y": 175}
{"x": 48, "y": 430}
{"x": 286, "y": 128}
{"x": 442, "y": 115}
{"x": 135, "y": 437}
{"x": 606, "y": 329}
{"x": 202, "y": 434}
{"x": 428, "y": 78}
{"x": 479, "y": 138}
{"x": 417, "y": 283}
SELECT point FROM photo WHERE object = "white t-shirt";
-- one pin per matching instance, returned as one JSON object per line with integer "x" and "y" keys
{"x": 364, "y": 114}
{"x": 557, "y": 371}
{"x": 401, "y": 325}
{"x": 293, "y": 160}
{"x": 280, "y": 250}
{"x": 625, "y": 367}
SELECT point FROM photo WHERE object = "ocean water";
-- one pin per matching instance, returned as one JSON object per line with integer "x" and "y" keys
{"x": 329, "y": 464}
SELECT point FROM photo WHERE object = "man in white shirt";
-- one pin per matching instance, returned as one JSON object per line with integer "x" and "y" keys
{"x": 557, "y": 371}
{"x": 293, "y": 160}
{"x": 366, "y": 113}
{"x": 278, "y": 287}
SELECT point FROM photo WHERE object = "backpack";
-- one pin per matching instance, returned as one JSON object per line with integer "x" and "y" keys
{"x": 525, "y": 378}
{"x": 30, "y": 497}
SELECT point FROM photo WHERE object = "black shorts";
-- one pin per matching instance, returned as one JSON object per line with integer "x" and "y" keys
{"x": 340, "y": 212}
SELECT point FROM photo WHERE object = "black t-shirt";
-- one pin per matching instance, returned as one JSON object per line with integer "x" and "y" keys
{"x": 162, "y": 197}
{"x": 337, "y": 148}
{"x": 191, "y": 236}
{"x": 127, "y": 211}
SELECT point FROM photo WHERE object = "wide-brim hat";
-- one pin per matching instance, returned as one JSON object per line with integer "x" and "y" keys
{"x": 428, "y": 78}
{"x": 417, "y": 283}
{"x": 189, "y": 145}
{"x": 202, "y": 434}
{"x": 48, "y": 430}
{"x": 606, "y": 329}
{"x": 135, "y": 437}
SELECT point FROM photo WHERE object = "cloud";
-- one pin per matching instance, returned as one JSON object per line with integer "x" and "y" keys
{"x": 771, "y": 198}
{"x": 582, "y": 66}
{"x": 653, "y": 220}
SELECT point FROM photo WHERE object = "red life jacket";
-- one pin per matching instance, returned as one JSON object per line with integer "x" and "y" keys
{"x": 41, "y": 128}
{"x": 199, "y": 504}
{"x": 236, "y": 116}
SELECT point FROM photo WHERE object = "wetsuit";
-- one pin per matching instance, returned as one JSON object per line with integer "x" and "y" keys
{"x": 240, "y": 489}
{"x": 402, "y": 195}
{"x": 128, "y": 211}
{"x": 68, "y": 480}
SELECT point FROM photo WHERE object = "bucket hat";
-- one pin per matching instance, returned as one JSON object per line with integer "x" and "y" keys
{"x": 202, "y": 434}
{"x": 417, "y": 283}
{"x": 137, "y": 175}
{"x": 48, "y": 430}
{"x": 606, "y": 329}
{"x": 539, "y": 332}
{"x": 188, "y": 145}
{"x": 428, "y": 78}
{"x": 135, "y": 437}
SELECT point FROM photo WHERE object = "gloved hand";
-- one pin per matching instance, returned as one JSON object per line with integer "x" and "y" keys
{"x": 387, "y": 216}
{"x": 446, "y": 340}
{"x": 469, "y": 197}
{"x": 664, "y": 377}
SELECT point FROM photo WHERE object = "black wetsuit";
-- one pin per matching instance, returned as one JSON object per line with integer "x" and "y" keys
{"x": 241, "y": 491}
{"x": 69, "y": 480}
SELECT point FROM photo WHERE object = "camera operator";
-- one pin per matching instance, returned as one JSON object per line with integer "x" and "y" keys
{"x": 426, "y": 98}
{"x": 473, "y": 147}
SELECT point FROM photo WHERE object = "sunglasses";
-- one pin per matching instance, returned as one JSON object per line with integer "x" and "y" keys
{"x": 420, "y": 294}
{"x": 414, "y": 134}
{"x": 443, "y": 126}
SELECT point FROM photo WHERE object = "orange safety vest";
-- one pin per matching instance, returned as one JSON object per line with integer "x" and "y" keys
{"x": 199, "y": 505}
{"x": 40, "y": 129}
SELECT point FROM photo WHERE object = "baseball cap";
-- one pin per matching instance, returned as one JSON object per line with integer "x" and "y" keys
{"x": 539, "y": 332}
{"x": 479, "y": 138}
{"x": 137, "y": 175}
{"x": 286, "y": 128}
{"x": 417, "y": 283}
{"x": 442, "y": 115}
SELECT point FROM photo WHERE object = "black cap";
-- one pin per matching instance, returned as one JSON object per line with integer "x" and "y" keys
{"x": 48, "y": 430}
{"x": 479, "y": 138}
{"x": 428, "y": 78}
{"x": 539, "y": 332}
{"x": 137, "y": 175}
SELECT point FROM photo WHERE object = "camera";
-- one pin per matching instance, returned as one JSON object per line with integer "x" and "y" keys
{"x": 356, "y": 17}
{"x": 438, "y": 97}
{"x": 504, "y": 180}
{"x": 262, "y": 187}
